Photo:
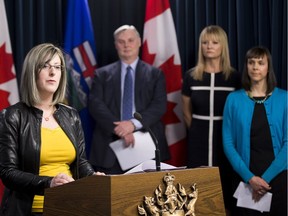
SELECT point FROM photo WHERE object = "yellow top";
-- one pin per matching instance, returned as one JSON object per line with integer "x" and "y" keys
{"x": 57, "y": 153}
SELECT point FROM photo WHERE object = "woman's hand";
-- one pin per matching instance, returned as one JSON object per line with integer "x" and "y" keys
{"x": 259, "y": 186}
{"x": 61, "y": 179}
{"x": 99, "y": 173}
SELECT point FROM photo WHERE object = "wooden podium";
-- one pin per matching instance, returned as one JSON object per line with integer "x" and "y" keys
{"x": 118, "y": 195}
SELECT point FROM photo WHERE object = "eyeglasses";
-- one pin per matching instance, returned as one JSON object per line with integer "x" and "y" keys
{"x": 56, "y": 67}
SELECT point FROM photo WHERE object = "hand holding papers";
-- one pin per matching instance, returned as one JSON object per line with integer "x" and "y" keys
{"x": 243, "y": 194}
{"x": 129, "y": 157}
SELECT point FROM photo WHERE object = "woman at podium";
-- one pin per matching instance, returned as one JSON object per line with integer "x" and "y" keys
{"x": 41, "y": 140}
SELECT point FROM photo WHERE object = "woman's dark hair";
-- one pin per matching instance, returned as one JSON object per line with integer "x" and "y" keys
{"x": 259, "y": 52}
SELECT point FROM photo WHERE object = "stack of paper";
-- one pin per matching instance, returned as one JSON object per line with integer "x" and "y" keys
{"x": 128, "y": 157}
{"x": 243, "y": 194}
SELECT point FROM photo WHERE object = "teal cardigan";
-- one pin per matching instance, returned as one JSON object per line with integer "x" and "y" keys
{"x": 237, "y": 118}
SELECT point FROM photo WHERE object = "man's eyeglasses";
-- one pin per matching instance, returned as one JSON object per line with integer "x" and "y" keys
{"x": 56, "y": 67}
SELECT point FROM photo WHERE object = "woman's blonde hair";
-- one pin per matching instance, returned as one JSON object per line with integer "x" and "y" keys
{"x": 34, "y": 61}
{"x": 216, "y": 33}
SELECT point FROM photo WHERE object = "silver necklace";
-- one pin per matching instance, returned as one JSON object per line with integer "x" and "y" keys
{"x": 258, "y": 101}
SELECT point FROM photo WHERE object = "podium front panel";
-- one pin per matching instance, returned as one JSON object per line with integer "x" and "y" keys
{"x": 122, "y": 194}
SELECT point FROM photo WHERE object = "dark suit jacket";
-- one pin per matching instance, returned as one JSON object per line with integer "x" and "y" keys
{"x": 105, "y": 108}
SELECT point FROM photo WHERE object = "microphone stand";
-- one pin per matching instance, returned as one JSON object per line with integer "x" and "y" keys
{"x": 157, "y": 150}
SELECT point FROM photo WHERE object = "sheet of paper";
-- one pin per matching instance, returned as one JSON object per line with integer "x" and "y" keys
{"x": 150, "y": 165}
{"x": 128, "y": 157}
{"x": 243, "y": 194}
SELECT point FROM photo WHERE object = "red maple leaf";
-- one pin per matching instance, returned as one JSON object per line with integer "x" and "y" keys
{"x": 173, "y": 75}
{"x": 146, "y": 56}
{"x": 6, "y": 63}
{"x": 170, "y": 117}
{"x": 173, "y": 78}
{"x": 4, "y": 102}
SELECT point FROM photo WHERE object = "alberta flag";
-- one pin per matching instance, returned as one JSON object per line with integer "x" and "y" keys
{"x": 81, "y": 61}
{"x": 160, "y": 49}
{"x": 8, "y": 82}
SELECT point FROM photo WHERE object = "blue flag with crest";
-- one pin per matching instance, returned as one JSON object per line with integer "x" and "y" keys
{"x": 80, "y": 48}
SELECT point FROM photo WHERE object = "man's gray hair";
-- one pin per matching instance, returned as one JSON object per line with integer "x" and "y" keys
{"x": 124, "y": 28}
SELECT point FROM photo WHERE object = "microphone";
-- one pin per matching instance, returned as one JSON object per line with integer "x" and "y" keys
{"x": 138, "y": 116}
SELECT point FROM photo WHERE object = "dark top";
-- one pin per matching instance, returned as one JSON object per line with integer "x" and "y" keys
{"x": 261, "y": 154}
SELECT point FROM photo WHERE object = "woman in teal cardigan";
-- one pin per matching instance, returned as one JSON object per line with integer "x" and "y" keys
{"x": 255, "y": 133}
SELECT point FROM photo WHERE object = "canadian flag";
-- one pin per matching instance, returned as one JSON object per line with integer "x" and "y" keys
{"x": 160, "y": 49}
{"x": 8, "y": 82}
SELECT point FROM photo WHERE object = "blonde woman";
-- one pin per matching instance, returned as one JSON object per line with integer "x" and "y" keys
{"x": 204, "y": 92}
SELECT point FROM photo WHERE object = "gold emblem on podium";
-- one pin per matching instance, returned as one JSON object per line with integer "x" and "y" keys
{"x": 173, "y": 201}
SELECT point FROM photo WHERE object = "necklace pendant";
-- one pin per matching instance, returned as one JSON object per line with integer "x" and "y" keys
{"x": 259, "y": 101}
{"x": 47, "y": 118}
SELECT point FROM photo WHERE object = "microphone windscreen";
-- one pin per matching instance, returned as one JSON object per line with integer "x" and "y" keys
{"x": 138, "y": 116}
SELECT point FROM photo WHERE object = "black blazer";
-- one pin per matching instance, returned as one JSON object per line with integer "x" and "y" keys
{"x": 105, "y": 108}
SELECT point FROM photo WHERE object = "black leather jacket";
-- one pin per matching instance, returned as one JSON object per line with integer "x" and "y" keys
{"x": 20, "y": 144}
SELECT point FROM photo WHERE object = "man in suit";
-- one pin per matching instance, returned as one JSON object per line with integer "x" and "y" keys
{"x": 106, "y": 102}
